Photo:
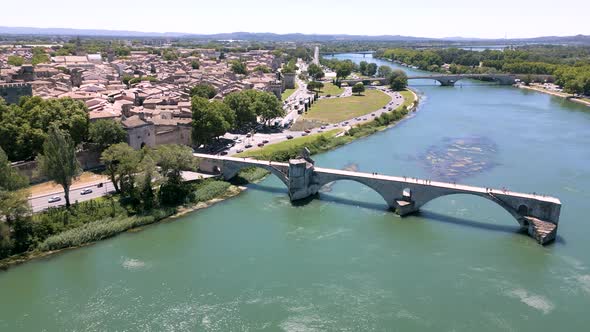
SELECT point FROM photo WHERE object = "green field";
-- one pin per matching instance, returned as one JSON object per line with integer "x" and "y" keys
{"x": 269, "y": 152}
{"x": 331, "y": 89}
{"x": 408, "y": 98}
{"x": 288, "y": 92}
{"x": 340, "y": 109}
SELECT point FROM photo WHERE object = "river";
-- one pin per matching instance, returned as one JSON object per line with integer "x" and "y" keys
{"x": 343, "y": 262}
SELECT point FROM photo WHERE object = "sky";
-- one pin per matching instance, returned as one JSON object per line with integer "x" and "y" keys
{"x": 418, "y": 18}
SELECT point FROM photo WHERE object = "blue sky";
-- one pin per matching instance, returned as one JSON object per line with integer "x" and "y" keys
{"x": 421, "y": 18}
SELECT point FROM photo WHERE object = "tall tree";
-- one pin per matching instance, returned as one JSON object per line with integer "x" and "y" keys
{"x": 315, "y": 71}
{"x": 384, "y": 71}
{"x": 363, "y": 67}
{"x": 13, "y": 200}
{"x": 371, "y": 69}
{"x": 58, "y": 162}
{"x": 210, "y": 120}
{"x": 398, "y": 80}
{"x": 240, "y": 103}
{"x": 122, "y": 163}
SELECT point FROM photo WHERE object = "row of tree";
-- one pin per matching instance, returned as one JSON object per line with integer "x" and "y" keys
{"x": 238, "y": 110}
{"x": 25, "y": 126}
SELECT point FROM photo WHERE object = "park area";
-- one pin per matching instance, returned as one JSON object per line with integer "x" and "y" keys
{"x": 331, "y": 89}
{"x": 339, "y": 109}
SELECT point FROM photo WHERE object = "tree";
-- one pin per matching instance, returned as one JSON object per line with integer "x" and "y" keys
{"x": 371, "y": 69}
{"x": 240, "y": 102}
{"x": 384, "y": 71}
{"x": 122, "y": 163}
{"x": 210, "y": 120}
{"x": 15, "y": 60}
{"x": 173, "y": 159}
{"x": 343, "y": 69}
{"x": 13, "y": 201}
{"x": 195, "y": 64}
{"x": 315, "y": 86}
{"x": 363, "y": 67}
{"x": 203, "y": 90}
{"x": 267, "y": 106}
{"x": 239, "y": 67}
{"x": 105, "y": 133}
{"x": 58, "y": 162}
{"x": 262, "y": 68}
{"x": 23, "y": 127}
{"x": 358, "y": 88}
{"x": 398, "y": 80}
{"x": 315, "y": 72}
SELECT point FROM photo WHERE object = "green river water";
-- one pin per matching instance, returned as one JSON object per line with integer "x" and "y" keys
{"x": 343, "y": 262}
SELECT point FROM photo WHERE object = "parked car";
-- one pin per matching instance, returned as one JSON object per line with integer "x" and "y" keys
{"x": 265, "y": 141}
{"x": 86, "y": 191}
{"x": 289, "y": 137}
{"x": 248, "y": 135}
{"x": 54, "y": 199}
{"x": 239, "y": 150}
{"x": 223, "y": 153}
{"x": 248, "y": 146}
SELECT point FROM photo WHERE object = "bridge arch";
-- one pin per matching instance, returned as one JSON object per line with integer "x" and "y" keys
{"x": 231, "y": 169}
{"x": 387, "y": 194}
{"x": 516, "y": 214}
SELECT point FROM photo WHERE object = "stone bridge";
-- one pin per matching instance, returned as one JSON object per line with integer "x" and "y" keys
{"x": 451, "y": 79}
{"x": 539, "y": 215}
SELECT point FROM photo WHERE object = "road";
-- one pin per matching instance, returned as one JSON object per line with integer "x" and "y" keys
{"x": 40, "y": 203}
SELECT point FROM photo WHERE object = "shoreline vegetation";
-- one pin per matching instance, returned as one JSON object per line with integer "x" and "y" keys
{"x": 206, "y": 193}
{"x": 563, "y": 95}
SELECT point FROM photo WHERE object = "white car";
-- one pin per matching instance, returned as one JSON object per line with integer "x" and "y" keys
{"x": 86, "y": 191}
{"x": 54, "y": 199}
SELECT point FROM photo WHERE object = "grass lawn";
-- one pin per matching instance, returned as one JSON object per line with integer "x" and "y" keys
{"x": 408, "y": 98}
{"x": 297, "y": 143}
{"x": 340, "y": 109}
{"x": 331, "y": 89}
{"x": 288, "y": 92}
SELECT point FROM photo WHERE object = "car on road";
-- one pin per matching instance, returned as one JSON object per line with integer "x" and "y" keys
{"x": 260, "y": 145}
{"x": 364, "y": 119}
{"x": 265, "y": 141}
{"x": 248, "y": 135}
{"x": 248, "y": 146}
{"x": 289, "y": 137}
{"x": 54, "y": 199}
{"x": 223, "y": 153}
{"x": 236, "y": 138}
{"x": 239, "y": 150}
{"x": 323, "y": 127}
{"x": 320, "y": 131}
{"x": 86, "y": 191}
{"x": 372, "y": 114}
{"x": 307, "y": 131}
{"x": 304, "y": 134}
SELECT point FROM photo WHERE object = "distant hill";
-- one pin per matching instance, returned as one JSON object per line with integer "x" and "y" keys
{"x": 265, "y": 36}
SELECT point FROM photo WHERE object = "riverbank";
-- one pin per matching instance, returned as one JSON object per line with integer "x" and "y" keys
{"x": 556, "y": 94}
{"x": 94, "y": 231}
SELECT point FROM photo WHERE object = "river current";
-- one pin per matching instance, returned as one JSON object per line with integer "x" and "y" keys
{"x": 343, "y": 262}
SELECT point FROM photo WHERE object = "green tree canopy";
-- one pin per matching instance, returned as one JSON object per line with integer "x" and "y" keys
{"x": 398, "y": 80}
{"x": 105, "y": 133}
{"x": 24, "y": 127}
{"x": 315, "y": 71}
{"x": 384, "y": 71}
{"x": 371, "y": 69}
{"x": 122, "y": 163}
{"x": 203, "y": 90}
{"x": 210, "y": 120}
{"x": 358, "y": 88}
{"x": 239, "y": 67}
{"x": 15, "y": 60}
